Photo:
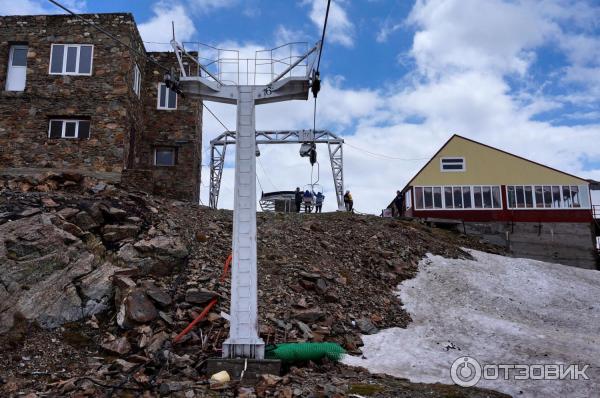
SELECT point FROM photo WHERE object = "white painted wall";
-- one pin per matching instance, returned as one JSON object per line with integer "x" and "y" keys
{"x": 595, "y": 197}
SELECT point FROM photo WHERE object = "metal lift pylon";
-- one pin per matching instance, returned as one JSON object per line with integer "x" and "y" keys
{"x": 218, "y": 148}
{"x": 243, "y": 340}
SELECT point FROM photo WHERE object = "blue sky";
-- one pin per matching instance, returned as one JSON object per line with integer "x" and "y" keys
{"x": 401, "y": 76}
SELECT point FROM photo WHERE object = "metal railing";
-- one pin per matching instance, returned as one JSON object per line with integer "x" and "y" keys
{"x": 235, "y": 67}
{"x": 596, "y": 211}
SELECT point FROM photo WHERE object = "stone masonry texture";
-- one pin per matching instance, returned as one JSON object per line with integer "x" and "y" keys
{"x": 125, "y": 128}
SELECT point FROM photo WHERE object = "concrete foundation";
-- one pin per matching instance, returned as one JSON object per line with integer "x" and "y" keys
{"x": 563, "y": 243}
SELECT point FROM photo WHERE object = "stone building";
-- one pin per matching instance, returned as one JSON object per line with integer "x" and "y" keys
{"x": 73, "y": 99}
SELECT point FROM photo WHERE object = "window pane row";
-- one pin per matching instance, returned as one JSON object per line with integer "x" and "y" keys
{"x": 458, "y": 197}
{"x": 69, "y": 128}
{"x": 71, "y": 59}
{"x": 546, "y": 196}
{"x": 167, "y": 98}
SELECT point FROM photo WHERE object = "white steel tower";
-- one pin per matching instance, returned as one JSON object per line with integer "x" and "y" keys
{"x": 280, "y": 74}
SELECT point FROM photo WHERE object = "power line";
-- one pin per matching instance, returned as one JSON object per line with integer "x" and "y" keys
{"x": 323, "y": 34}
{"x": 259, "y": 184}
{"x": 215, "y": 116}
{"x": 266, "y": 175}
{"x": 56, "y": 3}
{"x": 92, "y": 24}
{"x": 381, "y": 155}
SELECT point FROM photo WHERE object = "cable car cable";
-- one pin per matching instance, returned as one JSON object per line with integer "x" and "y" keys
{"x": 315, "y": 88}
{"x": 323, "y": 34}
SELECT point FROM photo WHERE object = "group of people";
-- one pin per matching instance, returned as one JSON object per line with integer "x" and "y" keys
{"x": 309, "y": 198}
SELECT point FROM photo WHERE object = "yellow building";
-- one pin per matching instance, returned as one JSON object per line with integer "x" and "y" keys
{"x": 473, "y": 183}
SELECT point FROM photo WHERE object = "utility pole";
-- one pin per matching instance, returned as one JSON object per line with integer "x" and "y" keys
{"x": 243, "y": 340}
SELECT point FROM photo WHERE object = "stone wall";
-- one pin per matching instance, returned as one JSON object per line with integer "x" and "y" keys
{"x": 125, "y": 127}
{"x": 104, "y": 97}
{"x": 180, "y": 128}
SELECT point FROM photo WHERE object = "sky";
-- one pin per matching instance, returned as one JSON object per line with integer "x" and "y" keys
{"x": 399, "y": 78}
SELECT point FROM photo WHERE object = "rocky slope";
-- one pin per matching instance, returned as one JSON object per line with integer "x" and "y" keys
{"x": 95, "y": 282}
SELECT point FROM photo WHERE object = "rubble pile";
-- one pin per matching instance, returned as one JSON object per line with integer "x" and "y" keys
{"x": 95, "y": 282}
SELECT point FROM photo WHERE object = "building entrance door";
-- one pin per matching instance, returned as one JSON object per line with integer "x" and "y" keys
{"x": 17, "y": 68}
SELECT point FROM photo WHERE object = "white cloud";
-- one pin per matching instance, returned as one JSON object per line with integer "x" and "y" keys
{"x": 340, "y": 29}
{"x": 207, "y": 6}
{"x": 285, "y": 35}
{"x": 386, "y": 29}
{"x": 37, "y": 7}
{"x": 158, "y": 29}
{"x": 493, "y": 35}
{"x": 464, "y": 53}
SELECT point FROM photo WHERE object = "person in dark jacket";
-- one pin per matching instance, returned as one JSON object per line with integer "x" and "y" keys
{"x": 319, "y": 198}
{"x": 348, "y": 201}
{"x": 298, "y": 199}
{"x": 398, "y": 203}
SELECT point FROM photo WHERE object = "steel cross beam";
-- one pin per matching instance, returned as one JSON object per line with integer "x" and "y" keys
{"x": 334, "y": 144}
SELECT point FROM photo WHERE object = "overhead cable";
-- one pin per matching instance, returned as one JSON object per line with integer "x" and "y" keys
{"x": 381, "y": 155}
{"x": 144, "y": 55}
{"x": 323, "y": 34}
{"x": 107, "y": 33}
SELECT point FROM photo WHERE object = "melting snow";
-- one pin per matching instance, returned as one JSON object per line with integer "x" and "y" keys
{"x": 498, "y": 310}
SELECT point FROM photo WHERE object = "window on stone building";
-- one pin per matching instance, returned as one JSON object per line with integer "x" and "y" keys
{"x": 137, "y": 80}
{"x": 166, "y": 98}
{"x": 69, "y": 128}
{"x": 165, "y": 156}
{"x": 16, "y": 74}
{"x": 71, "y": 59}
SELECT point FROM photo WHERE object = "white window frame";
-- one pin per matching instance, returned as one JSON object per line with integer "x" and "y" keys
{"x": 463, "y": 164}
{"x": 174, "y": 156}
{"x": 408, "y": 200}
{"x": 64, "y": 65}
{"x": 11, "y": 69}
{"x": 471, "y": 195}
{"x": 64, "y": 127}
{"x": 166, "y": 107}
{"x": 562, "y": 202}
{"x": 137, "y": 80}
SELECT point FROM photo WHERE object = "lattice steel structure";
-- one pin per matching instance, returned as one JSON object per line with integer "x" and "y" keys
{"x": 218, "y": 147}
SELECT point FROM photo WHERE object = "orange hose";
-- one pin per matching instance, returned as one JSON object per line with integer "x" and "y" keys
{"x": 211, "y": 304}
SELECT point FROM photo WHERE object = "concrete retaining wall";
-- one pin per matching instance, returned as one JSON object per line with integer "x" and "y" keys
{"x": 563, "y": 243}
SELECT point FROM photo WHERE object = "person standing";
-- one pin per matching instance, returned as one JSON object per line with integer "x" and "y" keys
{"x": 398, "y": 202}
{"x": 308, "y": 201}
{"x": 348, "y": 201}
{"x": 319, "y": 202}
{"x": 298, "y": 199}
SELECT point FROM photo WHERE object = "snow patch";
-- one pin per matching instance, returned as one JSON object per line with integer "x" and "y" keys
{"x": 498, "y": 310}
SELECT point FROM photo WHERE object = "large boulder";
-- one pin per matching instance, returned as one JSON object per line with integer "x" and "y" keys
{"x": 115, "y": 233}
{"x": 48, "y": 275}
{"x": 156, "y": 256}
